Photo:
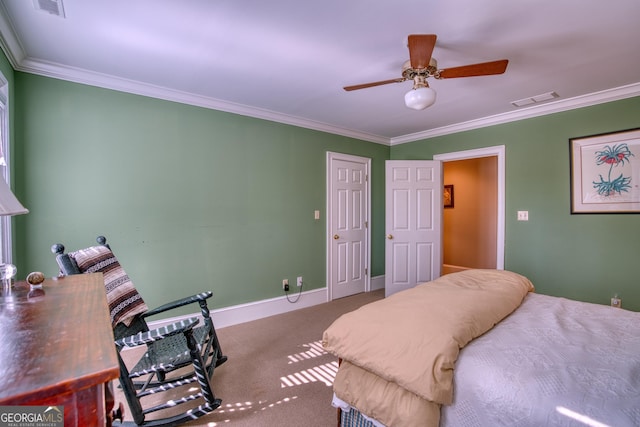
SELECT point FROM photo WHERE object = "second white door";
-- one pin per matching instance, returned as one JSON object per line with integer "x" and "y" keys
{"x": 413, "y": 250}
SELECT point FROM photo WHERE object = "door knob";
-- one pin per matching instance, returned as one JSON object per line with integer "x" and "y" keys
{"x": 336, "y": 237}
{"x": 389, "y": 236}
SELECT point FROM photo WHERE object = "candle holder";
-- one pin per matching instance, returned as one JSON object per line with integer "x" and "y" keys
{"x": 7, "y": 273}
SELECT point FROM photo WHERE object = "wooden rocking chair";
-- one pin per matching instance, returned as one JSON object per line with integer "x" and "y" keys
{"x": 188, "y": 344}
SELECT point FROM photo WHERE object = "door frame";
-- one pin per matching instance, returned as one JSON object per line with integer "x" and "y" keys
{"x": 331, "y": 156}
{"x": 499, "y": 151}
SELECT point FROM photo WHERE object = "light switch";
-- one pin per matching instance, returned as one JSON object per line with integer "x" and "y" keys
{"x": 523, "y": 215}
{"x": 316, "y": 214}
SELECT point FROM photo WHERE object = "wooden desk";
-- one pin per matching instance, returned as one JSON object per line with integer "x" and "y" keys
{"x": 57, "y": 348}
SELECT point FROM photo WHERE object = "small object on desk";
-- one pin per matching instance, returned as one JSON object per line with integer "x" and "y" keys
{"x": 35, "y": 279}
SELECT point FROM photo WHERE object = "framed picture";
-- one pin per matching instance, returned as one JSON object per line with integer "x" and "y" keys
{"x": 448, "y": 196}
{"x": 605, "y": 173}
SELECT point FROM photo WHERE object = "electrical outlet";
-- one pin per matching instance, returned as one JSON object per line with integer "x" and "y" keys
{"x": 299, "y": 281}
{"x": 285, "y": 285}
{"x": 616, "y": 302}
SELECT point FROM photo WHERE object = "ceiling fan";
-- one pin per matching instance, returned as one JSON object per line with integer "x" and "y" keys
{"x": 422, "y": 65}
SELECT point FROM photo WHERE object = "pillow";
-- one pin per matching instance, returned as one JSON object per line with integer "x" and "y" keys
{"x": 124, "y": 300}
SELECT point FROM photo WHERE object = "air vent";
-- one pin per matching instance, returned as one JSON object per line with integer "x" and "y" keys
{"x": 54, "y": 7}
{"x": 535, "y": 99}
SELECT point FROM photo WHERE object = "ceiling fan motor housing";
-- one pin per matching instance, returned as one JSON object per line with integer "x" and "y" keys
{"x": 410, "y": 73}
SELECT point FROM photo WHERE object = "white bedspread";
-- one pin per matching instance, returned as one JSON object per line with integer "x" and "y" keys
{"x": 556, "y": 373}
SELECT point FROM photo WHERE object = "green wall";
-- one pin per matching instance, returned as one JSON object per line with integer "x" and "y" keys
{"x": 189, "y": 198}
{"x": 585, "y": 257}
{"x": 195, "y": 199}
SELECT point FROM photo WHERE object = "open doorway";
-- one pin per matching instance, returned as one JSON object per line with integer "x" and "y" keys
{"x": 469, "y": 217}
{"x": 473, "y": 233}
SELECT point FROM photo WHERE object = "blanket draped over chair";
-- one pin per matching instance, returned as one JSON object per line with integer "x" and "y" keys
{"x": 398, "y": 354}
{"x": 124, "y": 300}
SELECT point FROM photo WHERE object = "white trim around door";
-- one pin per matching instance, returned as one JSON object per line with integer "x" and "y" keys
{"x": 499, "y": 151}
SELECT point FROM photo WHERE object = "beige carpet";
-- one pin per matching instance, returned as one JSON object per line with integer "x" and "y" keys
{"x": 277, "y": 373}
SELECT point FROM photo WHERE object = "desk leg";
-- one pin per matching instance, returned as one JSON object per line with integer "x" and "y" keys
{"x": 109, "y": 401}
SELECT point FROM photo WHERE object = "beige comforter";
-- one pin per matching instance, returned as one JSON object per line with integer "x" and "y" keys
{"x": 399, "y": 353}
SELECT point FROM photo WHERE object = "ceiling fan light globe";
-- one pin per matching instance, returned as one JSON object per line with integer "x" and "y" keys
{"x": 421, "y": 98}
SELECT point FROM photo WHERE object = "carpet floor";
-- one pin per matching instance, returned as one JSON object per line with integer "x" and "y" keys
{"x": 277, "y": 373}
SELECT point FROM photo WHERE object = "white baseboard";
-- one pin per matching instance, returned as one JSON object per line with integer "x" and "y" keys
{"x": 377, "y": 283}
{"x": 234, "y": 315}
{"x": 237, "y": 314}
{"x": 229, "y": 316}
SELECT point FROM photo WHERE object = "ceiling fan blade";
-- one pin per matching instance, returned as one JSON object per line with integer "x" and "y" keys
{"x": 420, "y": 49}
{"x": 380, "y": 83}
{"x": 481, "y": 69}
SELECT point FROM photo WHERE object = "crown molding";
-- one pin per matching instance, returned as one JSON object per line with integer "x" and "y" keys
{"x": 78, "y": 75}
{"x": 595, "y": 98}
{"x": 82, "y": 76}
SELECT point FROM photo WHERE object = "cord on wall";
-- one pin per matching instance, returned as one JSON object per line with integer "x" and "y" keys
{"x": 297, "y": 298}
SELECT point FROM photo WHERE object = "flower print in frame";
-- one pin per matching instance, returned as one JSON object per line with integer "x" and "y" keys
{"x": 605, "y": 173}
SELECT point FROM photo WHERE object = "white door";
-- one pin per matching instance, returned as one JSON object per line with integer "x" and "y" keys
{"x": 348, "y": 241}
{"x": 413, "y": 250}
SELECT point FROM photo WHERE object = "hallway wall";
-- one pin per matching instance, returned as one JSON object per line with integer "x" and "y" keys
{"x": 470, "y": 225}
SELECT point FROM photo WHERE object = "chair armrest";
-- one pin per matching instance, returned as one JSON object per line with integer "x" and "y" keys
{"x": 179, "y": 303}
{"x": 142, "y": 338}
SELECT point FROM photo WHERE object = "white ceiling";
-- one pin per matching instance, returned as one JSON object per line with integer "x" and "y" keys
{"x": 287, "y": 60}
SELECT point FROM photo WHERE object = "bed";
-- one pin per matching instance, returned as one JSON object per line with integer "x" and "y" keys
{"x": 480, "y": 348}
